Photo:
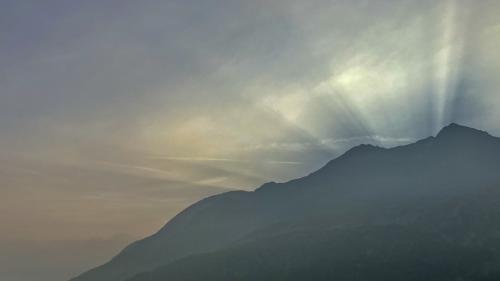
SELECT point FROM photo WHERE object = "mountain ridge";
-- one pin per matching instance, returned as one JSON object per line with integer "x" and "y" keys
{"x": 364, "y": 174}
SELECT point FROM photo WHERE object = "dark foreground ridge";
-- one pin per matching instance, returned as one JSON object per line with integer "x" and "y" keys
{"x": 425, "y": 211}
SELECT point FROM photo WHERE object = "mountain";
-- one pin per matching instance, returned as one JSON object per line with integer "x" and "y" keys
{"x": 424, "y": 211}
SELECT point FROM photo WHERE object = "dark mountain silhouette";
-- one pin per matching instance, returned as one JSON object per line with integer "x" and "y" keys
{"x": 425, "y": 211}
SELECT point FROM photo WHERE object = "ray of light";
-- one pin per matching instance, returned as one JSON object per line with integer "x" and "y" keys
{"x": 447, "y": 63}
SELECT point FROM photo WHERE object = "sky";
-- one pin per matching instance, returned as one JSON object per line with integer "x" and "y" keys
{"x": 117, "y": 114}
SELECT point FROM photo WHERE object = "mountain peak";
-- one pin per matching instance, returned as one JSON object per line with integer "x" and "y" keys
{"x": 457, "y": 130}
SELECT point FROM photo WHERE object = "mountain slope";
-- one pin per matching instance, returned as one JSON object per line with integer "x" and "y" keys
{"x": 375, "y": 252}
{"x": 366, "y": 186}
{"x": 454, "y": 238}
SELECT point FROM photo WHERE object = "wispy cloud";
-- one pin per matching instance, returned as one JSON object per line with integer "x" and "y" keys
{"x": 341, "y": 143}
{"x": 208, "y": 159}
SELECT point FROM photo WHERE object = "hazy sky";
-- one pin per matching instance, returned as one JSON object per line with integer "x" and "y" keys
{"x": 115, "y": 115}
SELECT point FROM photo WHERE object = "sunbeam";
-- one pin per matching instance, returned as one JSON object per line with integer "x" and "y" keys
{"x": 450, "y": 47}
